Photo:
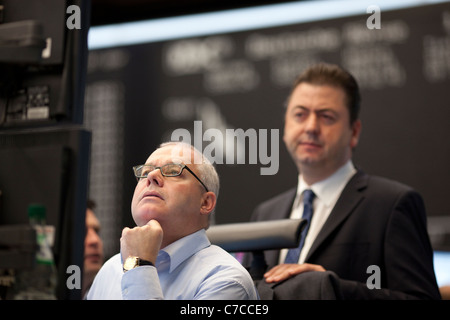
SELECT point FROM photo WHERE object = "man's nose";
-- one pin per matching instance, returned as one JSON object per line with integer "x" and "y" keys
{"x": 92, "y": 237}
{"x": 155, "y": 177}
{"x": 312, "y": 124}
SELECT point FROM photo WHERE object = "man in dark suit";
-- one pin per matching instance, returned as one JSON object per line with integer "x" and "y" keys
{"x": 367, "y": 234}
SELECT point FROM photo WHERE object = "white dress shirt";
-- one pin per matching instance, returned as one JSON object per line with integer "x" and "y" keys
{"x": 327, "y": 193}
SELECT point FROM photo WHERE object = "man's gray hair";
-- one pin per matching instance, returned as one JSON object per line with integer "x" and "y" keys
{"x": 207, "y": 171}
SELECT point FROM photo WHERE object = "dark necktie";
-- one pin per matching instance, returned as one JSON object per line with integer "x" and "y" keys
{"x": 294, "y": 253}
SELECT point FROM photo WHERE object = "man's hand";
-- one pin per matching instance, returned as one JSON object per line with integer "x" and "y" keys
{"x": 284, "y": 271}
{"x": 143, "y": 242}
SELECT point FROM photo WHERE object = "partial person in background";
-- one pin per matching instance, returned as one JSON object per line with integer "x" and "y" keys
{"x": 93, "y": 248}
{"x": 445, "y": 292}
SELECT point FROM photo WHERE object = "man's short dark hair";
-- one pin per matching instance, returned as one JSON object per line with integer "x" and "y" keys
{"x": 91, "y": 204}
{"x": 333, "y": 75}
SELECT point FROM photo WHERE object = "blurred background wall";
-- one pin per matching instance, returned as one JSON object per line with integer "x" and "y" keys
{"x": 157, "y": 66}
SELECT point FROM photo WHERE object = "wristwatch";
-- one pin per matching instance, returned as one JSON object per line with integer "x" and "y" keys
{"x": 133, "y": 262}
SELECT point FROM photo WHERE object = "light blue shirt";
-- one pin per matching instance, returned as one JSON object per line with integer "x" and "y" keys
{"x": 188, "y": 269}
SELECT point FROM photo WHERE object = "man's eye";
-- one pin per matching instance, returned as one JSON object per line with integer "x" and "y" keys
{"x": 145, "y": 171}
{"x": 328, "y": 118}
{"x": 172, "y": 170}
{"x": 299, "y": 115}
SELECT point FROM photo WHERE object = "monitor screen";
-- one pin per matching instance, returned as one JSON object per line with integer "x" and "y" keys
{"x": 50, "y": 167}
{"x": 43, "y": 55}
{"x": 441, "y": 267}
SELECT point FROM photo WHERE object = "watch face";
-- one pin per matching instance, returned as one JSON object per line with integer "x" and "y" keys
{"x": 130, "y": 263}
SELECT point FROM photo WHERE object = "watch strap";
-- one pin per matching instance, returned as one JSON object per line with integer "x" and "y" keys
{"x": 136, "y": 263}
{"x": 142, "y": 262}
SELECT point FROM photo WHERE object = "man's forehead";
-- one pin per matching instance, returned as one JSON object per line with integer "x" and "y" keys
{"x": 170, "y": 154}
{"x": 323, "y": 90}
{"x": 91, "y": 219}
{"x": 323, "y": 96}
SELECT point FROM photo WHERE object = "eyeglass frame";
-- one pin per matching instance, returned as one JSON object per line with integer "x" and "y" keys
{"x": 182, "y": 165}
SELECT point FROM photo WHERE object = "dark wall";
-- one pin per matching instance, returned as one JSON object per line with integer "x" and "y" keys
{"x": 241, "y": 80}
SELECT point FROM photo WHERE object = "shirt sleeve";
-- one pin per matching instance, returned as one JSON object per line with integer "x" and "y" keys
{"x": 141, "y": 283}
{"x": 226, "y": 286}
{"x": 230, "y": 290}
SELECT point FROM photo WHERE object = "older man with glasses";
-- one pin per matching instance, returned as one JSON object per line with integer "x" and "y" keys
{"x": 168, "y": 255}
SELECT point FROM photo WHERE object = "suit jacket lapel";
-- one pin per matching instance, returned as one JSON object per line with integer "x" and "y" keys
{"x": 286, "y": 206}
{"x": 350, "y": 198}
{"x": 283, "y": 212}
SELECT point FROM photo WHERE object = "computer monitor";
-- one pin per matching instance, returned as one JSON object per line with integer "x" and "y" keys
{"x": 48, "y": 166}
{"x": 43, "y": 57}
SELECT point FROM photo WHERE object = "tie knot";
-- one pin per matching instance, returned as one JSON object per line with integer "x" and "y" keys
{"x": 308, "y": 196}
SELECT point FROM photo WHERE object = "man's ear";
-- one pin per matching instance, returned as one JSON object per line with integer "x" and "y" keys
{"x": 208, "y": 202}
{"x": 356, "y": 132}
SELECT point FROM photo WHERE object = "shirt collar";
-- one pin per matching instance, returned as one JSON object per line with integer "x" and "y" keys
{"x": 180, "y": 250}
{"x": 329, "y": 189}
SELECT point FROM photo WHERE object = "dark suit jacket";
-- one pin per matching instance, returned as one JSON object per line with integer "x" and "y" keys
{"x": 376, "y": 221}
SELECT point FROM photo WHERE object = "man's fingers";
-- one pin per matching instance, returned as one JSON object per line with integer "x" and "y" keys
{"x": 143, "y": 242}
{"x": 285, "y": 271}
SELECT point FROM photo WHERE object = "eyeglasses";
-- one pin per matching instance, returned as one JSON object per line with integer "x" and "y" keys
{"x": 167, "y": 170}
